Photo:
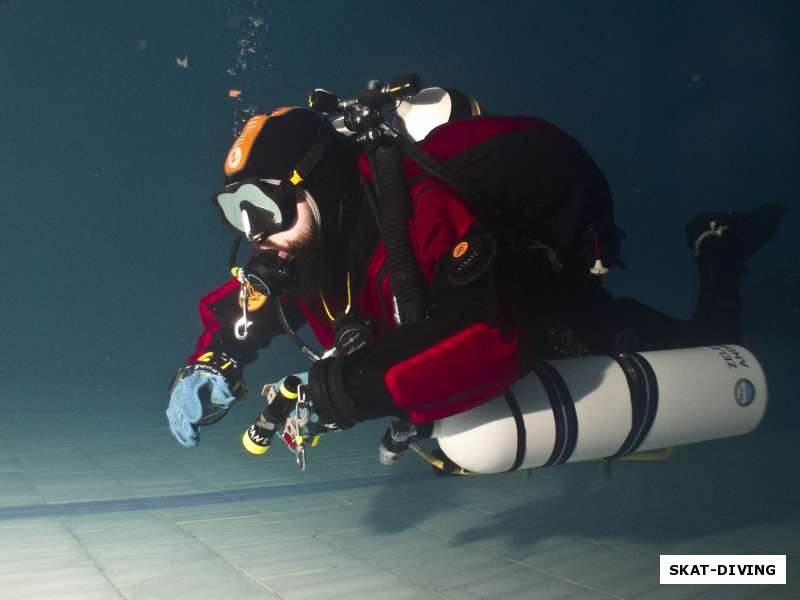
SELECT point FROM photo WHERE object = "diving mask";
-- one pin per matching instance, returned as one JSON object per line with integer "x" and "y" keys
{"x": 257, "y": 208}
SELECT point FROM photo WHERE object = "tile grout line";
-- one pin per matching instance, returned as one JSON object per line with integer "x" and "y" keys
{"x": 93, "y": 558}
{"x": 260, "y": 584}
{"x": 527, "y": 566}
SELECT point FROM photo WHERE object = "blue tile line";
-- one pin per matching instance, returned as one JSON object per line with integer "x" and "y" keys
{"x": 267, "y": 492}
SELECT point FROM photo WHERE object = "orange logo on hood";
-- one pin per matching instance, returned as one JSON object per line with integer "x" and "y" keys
{"x": 237, "y": 155}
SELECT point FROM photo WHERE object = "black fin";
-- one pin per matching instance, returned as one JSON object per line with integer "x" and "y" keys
{"x": 746, "y": 231}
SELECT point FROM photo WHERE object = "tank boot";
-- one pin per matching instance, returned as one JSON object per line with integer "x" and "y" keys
{"x": 736, "y": 234}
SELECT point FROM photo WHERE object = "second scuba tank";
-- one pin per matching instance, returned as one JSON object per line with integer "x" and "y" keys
{"x": 423, "y": 112}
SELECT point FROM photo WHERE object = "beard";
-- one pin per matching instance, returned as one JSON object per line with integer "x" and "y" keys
{"x": 320, "y": 260}
{"x": 309, "y": 274}
{"x": 321, "y": 270}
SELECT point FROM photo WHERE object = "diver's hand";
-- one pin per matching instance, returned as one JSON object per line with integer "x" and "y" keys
{"x": 302, "y": 427}
{"x": 201, "y": 394}
{"x": 196, "y": 399}
{"x": 303, "y": 419}
{"x": 282, "y": 397}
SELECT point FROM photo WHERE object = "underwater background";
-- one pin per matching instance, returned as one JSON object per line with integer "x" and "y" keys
{"x": 115, "y": 118}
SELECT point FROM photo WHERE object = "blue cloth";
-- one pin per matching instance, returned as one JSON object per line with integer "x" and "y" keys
{"x": 191, "y": 397}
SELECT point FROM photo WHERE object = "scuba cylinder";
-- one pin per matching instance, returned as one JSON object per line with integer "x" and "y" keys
{"x": 420, "y": 114}
{"x": 630, "y": 406}
{"x": 280, "y": 398}
{"x": 603, "y": 407}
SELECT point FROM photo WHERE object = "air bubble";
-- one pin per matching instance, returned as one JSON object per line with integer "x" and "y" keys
{"x": 249, "y": 24}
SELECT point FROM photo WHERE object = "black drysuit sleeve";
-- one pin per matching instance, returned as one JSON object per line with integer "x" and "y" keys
{"x": 220, "y": 310}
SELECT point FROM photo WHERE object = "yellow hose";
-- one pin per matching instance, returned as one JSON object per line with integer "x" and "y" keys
{"x": 650, "y": 455}
{"x": 435, "y": 462}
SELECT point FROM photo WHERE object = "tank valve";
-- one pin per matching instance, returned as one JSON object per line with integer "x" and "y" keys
{"x": 395, "y": 441}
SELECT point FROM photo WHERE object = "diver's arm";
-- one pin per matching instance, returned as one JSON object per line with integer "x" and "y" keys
{"x": 203, "y": 390}
{"x": 459, "y": 357}
{"x": 220, "y": 311}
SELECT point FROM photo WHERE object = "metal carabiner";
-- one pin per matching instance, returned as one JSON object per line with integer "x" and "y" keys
{"x": 241, "y": 325}
{"x": 295, "y": 442}
{"x": 295, "y": 431}
{"x": 240, "y": 328}
{"x": 301, "y": 457}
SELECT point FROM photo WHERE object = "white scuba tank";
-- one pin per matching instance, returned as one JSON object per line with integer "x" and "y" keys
{"x": 431, "y": 107}
{"x": 607, "y": 407}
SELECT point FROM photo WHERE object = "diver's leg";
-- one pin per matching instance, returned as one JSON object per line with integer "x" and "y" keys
{"x": 717, "y": 318}
{"x": 600, "y": 324}
{"x": 640, "y": 328}
{"x": 722, "y": 242}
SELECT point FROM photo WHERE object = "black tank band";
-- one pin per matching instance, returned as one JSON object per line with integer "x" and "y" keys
{"x": 643, "y": 388}
{"x": 522, "y": 435}
{"x": 566, "y": 419}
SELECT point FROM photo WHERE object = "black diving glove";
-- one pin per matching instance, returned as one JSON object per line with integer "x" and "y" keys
{"x": 327, "y": 394}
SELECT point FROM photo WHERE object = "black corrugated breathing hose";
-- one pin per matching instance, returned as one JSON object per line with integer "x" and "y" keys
{"x": 393, "y": 206}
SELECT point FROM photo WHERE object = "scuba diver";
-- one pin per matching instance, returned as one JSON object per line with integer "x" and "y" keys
{"x": 433, "y": 274}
